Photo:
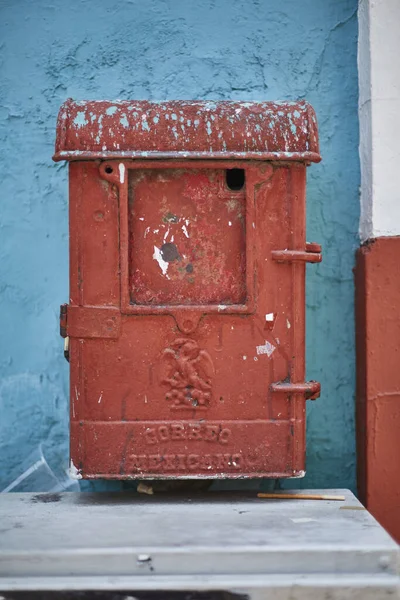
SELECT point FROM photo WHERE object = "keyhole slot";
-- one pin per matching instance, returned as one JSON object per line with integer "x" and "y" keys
{"x": 235, "y": 179}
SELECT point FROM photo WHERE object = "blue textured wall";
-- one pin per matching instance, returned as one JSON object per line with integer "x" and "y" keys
{"x": 165, "y": 49}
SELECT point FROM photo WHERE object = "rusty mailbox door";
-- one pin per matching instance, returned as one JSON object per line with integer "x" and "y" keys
{"x": 186, "y": 319}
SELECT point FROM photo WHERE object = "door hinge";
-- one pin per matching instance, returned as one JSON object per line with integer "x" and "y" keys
{"x": 63, "y": 320}
{"x": 89, "y": 321}
{"x": 63, "y": 329}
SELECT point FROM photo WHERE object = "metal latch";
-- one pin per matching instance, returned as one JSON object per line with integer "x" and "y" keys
{"x": 311, "y": 254}
{"x": 310, "y": 389}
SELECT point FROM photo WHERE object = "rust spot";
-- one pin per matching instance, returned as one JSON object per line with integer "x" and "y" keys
{"x": 169, "y": 252}
{"x": 170, "y": 218}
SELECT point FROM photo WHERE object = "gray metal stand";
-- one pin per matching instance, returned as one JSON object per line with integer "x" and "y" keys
{"x": 213, "y": 546}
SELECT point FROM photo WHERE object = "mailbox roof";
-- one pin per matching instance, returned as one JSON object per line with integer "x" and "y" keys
{"x": 187, "y": 129}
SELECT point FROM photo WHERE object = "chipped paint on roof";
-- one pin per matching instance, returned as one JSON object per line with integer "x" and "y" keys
{"x": 264, "y": 130}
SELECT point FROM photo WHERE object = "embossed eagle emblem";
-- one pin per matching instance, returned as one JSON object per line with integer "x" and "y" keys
{"x": 189, "y": 372}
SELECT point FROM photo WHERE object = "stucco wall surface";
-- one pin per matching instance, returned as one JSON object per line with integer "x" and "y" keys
{"x": 167, "y": 49}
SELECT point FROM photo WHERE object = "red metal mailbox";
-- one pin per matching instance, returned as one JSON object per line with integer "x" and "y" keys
{"x": 187, "y": 273}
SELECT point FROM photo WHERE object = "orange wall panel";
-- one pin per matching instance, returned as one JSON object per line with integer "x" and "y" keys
{"x": 378, "y": 379}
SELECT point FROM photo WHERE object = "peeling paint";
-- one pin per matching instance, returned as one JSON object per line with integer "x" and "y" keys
{"x": 124, "y": 121}
{"x": 161, "y": 262}
{"x": 80, "y": 120}
{"x": 228, "y": 128}
{"x": 266, "y": 348}
{"x": 121, "y": 173}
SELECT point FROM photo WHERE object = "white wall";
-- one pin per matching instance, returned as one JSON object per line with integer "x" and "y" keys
{"x": 379, "y": 112}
